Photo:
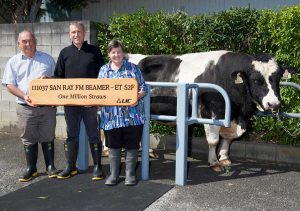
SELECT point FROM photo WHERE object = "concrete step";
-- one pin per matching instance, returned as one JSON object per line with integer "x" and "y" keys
{"x": 239, "y": 149}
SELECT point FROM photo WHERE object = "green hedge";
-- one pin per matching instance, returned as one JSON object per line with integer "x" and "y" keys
{"x": 239, "y": 29}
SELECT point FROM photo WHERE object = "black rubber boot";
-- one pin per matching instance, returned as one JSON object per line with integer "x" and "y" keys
{"x": 48, "y": 150}
{"x": 131, "y": 158}
{"x": 71, "y": 152}
{"x": 31, "y": 153}
{"x": 96, "y": 150}
{"x": 115, "y": 160}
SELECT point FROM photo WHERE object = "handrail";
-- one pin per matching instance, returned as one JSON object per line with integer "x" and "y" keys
{"x": 182, "y": 121}
{"x": 194, "y": 118}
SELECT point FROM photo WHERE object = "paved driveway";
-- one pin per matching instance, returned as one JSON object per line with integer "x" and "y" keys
{"x": 249, "y": 184}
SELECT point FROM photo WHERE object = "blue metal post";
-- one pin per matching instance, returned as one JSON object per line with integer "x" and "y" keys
{"x": 83, "y": 154}
{"x": 146, "y": 138}
{"x": 195, "y": 103}
{"x": 182, "y": 134}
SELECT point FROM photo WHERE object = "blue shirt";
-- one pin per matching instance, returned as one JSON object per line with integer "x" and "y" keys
{"x": 20, "y": 70}
{"x": 123, "y": 116}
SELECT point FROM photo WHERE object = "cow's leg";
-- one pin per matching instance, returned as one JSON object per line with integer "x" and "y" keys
{"x": 223, "y": 155}
{"x": 228, "y": 134}
{"x": 212, "y": 136}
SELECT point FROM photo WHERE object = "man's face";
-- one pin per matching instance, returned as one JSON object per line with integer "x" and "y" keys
{"x": 27, "y": 44}
{"x": 77, "y": 35}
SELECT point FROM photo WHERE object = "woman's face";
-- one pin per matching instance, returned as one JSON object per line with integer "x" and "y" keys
{"x": 116, "y": 55}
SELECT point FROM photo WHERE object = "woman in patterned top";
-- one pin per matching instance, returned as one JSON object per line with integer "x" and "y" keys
{"x": 123, "y": 125}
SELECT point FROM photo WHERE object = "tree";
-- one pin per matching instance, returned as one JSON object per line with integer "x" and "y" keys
{"x": 26, "y": 11}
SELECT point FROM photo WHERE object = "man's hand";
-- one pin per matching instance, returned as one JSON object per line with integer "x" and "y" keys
{"x": 17, "y": 92}
{"x": 44, "y": 77}
{"x": 28, "y": 101}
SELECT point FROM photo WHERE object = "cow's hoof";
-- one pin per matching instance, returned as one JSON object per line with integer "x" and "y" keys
{"x": 105, "y": 152}
{"x": 152, "y": 155}
{"x": 225, "y": 162}
{"x": 217, "y": 168}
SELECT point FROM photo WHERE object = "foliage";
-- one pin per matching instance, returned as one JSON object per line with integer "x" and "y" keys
{"x": 278, "y": 34}
{"x": 238, "y": 29}
{"x": 156, "y": 127}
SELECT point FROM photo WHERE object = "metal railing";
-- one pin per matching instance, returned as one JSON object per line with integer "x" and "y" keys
{"x": 182, "y": 120}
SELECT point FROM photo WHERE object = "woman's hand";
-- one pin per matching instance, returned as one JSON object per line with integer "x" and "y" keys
{"x": 141, "y": 94}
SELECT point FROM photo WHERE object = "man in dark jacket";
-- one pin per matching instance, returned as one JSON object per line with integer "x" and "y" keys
{"x": 80, "y": 60}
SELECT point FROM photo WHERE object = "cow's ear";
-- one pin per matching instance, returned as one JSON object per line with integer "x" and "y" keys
{"x": 288, "y": 71}
{"x": 238, "y": 76}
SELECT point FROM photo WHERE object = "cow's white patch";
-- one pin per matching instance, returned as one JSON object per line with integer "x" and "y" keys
{"x": 266, "y": 70}
{"x": 212, "y": 136}
{"x": 233, "y": 132}
{"x": 194, "y": 64}
{"x": 224, "y": 149}
{"x": 258, "y": 106}
{"x": 135, "y": 58}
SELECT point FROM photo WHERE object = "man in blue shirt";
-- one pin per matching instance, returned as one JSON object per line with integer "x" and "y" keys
{"x": 37, "y": 123}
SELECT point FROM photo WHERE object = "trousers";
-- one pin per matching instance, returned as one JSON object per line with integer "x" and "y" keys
{"x": 73, "y": 117}
{"x": 37, "y": 124}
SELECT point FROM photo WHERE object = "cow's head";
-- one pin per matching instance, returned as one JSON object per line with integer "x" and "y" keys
{"x": 263, "y": 81}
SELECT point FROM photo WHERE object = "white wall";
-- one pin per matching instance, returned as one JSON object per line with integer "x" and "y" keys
{"x": 52, "y": 37}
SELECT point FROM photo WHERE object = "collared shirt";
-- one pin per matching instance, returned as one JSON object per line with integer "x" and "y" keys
{"x": 20, "y": 70}
{"x": 123, "y": 116}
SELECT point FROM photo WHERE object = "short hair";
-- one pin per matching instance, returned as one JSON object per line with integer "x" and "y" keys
{"x": 115, "y": 44}
{"x": 26, "y": 31}
{"x": 78, "y": 23}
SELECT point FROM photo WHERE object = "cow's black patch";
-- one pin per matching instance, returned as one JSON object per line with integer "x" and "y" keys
{"x": 159, "y": 68}
{"x": 162, "y": 68}
{"x": 212, "y": 102}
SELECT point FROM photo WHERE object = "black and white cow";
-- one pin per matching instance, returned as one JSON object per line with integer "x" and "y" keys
{"x": 251, "y": 82}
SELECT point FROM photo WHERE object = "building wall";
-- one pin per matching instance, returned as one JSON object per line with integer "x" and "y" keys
{"x": 103, "y": 9}
{"x": 52, "y": 37}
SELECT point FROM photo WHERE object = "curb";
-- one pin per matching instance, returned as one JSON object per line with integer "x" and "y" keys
{"x": 239, "y": 149}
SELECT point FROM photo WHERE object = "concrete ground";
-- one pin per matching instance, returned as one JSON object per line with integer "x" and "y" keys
{"x": 248, "y": 185}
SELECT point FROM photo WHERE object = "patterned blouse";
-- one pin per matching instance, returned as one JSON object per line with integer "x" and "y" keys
{"x": 122, "y": 116}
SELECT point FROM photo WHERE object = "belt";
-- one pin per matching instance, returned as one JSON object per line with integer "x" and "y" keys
{"x": 31, "y": 106}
